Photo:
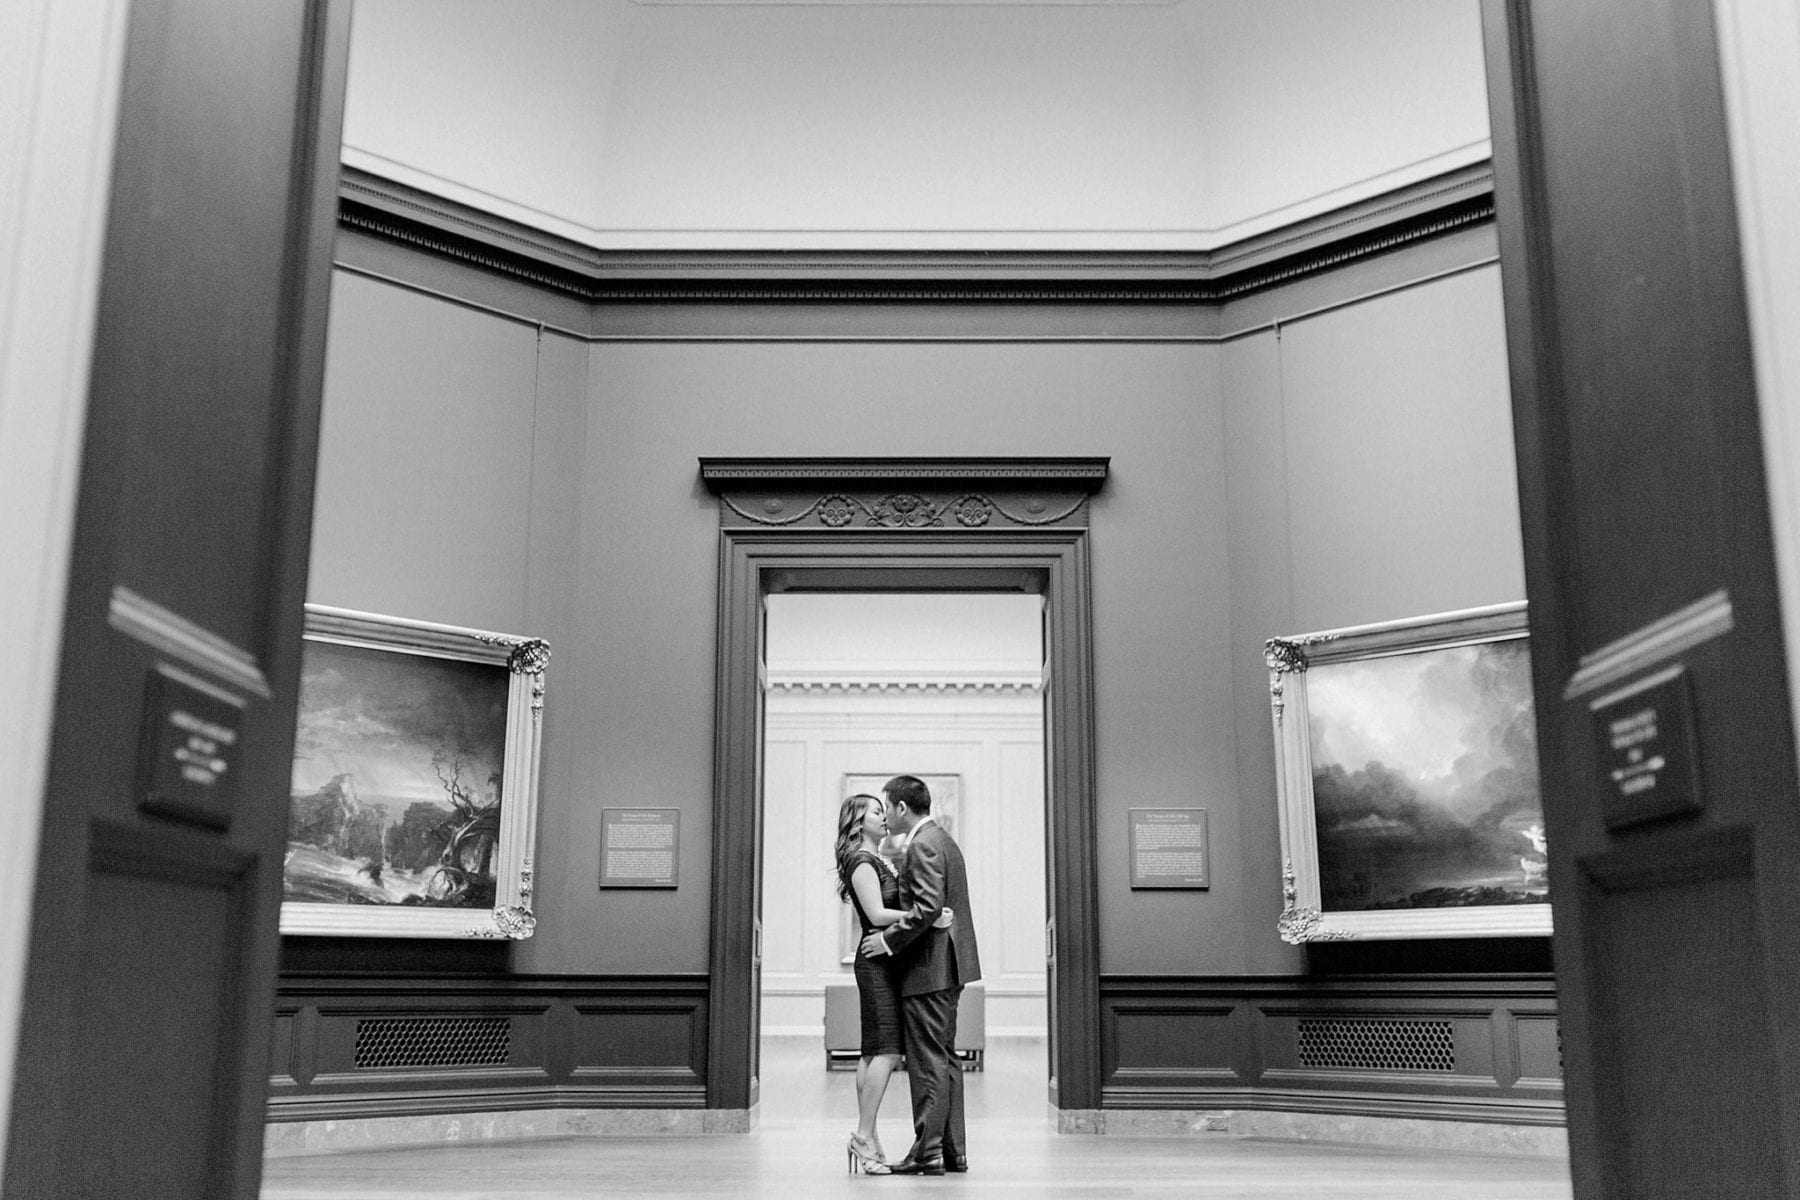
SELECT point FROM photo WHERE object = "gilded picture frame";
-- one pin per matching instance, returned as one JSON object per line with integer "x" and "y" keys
{"x": 413, "y": 804}
{"x": 1406, "y": 766}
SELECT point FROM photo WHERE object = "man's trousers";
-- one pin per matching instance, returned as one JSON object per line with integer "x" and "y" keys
{"x": 934, "y": 1075}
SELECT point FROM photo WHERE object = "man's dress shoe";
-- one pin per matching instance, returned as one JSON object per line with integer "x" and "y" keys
{"x": 909, "y": 1165}
{"x": 956, "y": 1164}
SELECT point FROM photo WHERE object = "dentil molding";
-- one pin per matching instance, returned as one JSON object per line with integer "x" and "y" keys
{"x": 395, "y": 212}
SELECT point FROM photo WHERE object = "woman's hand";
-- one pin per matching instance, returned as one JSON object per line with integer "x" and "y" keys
{"x": 945, "y": 919}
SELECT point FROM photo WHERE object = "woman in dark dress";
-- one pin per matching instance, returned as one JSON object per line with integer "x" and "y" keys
{"x": 872, "y": 887}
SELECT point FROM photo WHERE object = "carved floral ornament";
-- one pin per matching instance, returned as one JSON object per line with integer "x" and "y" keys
{"x": 902, "y": 510}
{"x": 530, "y": 656}
{"x": 1297, "y": 924}
{"x": 513, "y": 921}
{"x": 1285, "y": 656}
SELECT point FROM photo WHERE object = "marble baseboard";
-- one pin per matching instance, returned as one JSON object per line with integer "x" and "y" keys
{"x": 1476, "y": 1137}
{"x": 287, "y": 1139}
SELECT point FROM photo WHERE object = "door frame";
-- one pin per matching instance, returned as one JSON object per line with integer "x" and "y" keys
{"x": 784, "y": 527}
{"x": 1711, "y": 627}
{"x": 131, "y": 650}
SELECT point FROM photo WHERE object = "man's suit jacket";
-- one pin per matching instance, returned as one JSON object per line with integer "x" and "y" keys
{"x": 932, "y": 879}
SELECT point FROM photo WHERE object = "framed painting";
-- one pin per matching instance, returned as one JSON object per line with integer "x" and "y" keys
{"x": 946, "y": 800}
{"x": 1406, "y": 762}
{"x": 413, "y": 807}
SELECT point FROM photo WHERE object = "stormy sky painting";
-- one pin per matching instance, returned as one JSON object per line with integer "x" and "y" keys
{"x": 384, "y": 740}
{"x": 382, "y": 715}
{"x": 1425, "y": 788}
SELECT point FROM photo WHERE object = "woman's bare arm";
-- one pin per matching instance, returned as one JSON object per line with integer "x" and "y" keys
{"x": 868, "y": 894}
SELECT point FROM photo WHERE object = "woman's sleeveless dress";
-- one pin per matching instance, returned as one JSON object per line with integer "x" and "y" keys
{"x": 876, "y": 985}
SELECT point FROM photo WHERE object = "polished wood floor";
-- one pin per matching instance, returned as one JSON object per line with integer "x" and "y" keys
{"x": 797, "y": 1152}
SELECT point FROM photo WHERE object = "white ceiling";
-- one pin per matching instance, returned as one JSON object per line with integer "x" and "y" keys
{"x": 701, "y": 124}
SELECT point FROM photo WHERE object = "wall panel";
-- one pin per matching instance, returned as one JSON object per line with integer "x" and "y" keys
{"x": 1370, "y": 477}
{"x": 647, "y": 1043}
{"x": 1398, "y": 432}
{"x": 799, "y": 926}
{"x": 1155, "y": 1043}
{"x": 398, "y": 1046}
{"x": 1445, "y": 1046}
{"x": 425, "y": 459}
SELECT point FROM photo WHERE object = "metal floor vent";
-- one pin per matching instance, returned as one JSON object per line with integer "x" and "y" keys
{"x": 1364, "y": 1045}
{"x": 433, "y": 1042}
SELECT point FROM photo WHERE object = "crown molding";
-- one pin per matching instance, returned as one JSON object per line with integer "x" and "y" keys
{"x": 385, "y": 209}
{"x": 841, "y": 683}
{"x": 1077, "y": 474}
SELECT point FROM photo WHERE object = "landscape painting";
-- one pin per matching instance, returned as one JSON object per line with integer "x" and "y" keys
{"x": 1407, "y": 766}
{"x": 1424, "y": 776}
{"x": 398, "y": 765}
{"x": 413, "y": 795}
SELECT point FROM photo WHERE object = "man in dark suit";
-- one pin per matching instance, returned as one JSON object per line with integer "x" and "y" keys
{"x": 934, "y": 964}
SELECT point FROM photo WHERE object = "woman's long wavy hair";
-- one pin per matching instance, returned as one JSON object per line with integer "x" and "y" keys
{"x": 849, "y": 837}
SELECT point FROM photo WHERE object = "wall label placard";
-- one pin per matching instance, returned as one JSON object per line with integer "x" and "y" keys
{"x": 639, "y": 847}
{"x": 1168, "y": 848}
{"x": 1646, "y": 760}
{"x": 188, "y": 749}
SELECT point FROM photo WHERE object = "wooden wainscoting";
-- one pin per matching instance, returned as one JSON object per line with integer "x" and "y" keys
{"x": 355, "y": 1047}
{"x": 1433, "y": 1046}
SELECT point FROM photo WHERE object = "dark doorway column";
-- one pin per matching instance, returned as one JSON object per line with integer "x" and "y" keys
{"x": 144, "y": 1035}
{"x": 1666, "y": 734}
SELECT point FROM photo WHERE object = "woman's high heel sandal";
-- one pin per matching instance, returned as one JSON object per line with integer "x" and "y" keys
{"x": 865, "y": 1157}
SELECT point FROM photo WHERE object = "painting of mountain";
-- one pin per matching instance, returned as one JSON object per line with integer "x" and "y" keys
{"x": 1424, "y": 773}
{"x": 396, "y": 784}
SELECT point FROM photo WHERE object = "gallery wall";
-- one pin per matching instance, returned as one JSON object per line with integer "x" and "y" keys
{"x": 450, "y": 459}
{"x": 1105, "y": 125}
{"x": 649, "y": 568}
{"x": 1371, "y": 478}
{"x": 429, "y": 451}
{"x": 1353, "y": 466}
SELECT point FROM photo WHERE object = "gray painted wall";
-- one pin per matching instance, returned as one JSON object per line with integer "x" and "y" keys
{"x": 1357, "y": 467}
{"x": 648, "y": 583}
{"x": 425, "y": 463}
{"x": 1372, "y": 478}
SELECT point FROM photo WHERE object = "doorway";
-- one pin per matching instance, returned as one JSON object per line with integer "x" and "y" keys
{"x": 1006, "y": 526}
{"x": 859, "y": 687}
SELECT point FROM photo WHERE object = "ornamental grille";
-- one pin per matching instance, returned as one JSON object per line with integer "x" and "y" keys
{"x": 433, "y": 1042}
{"x": 1364, "y": 1045}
